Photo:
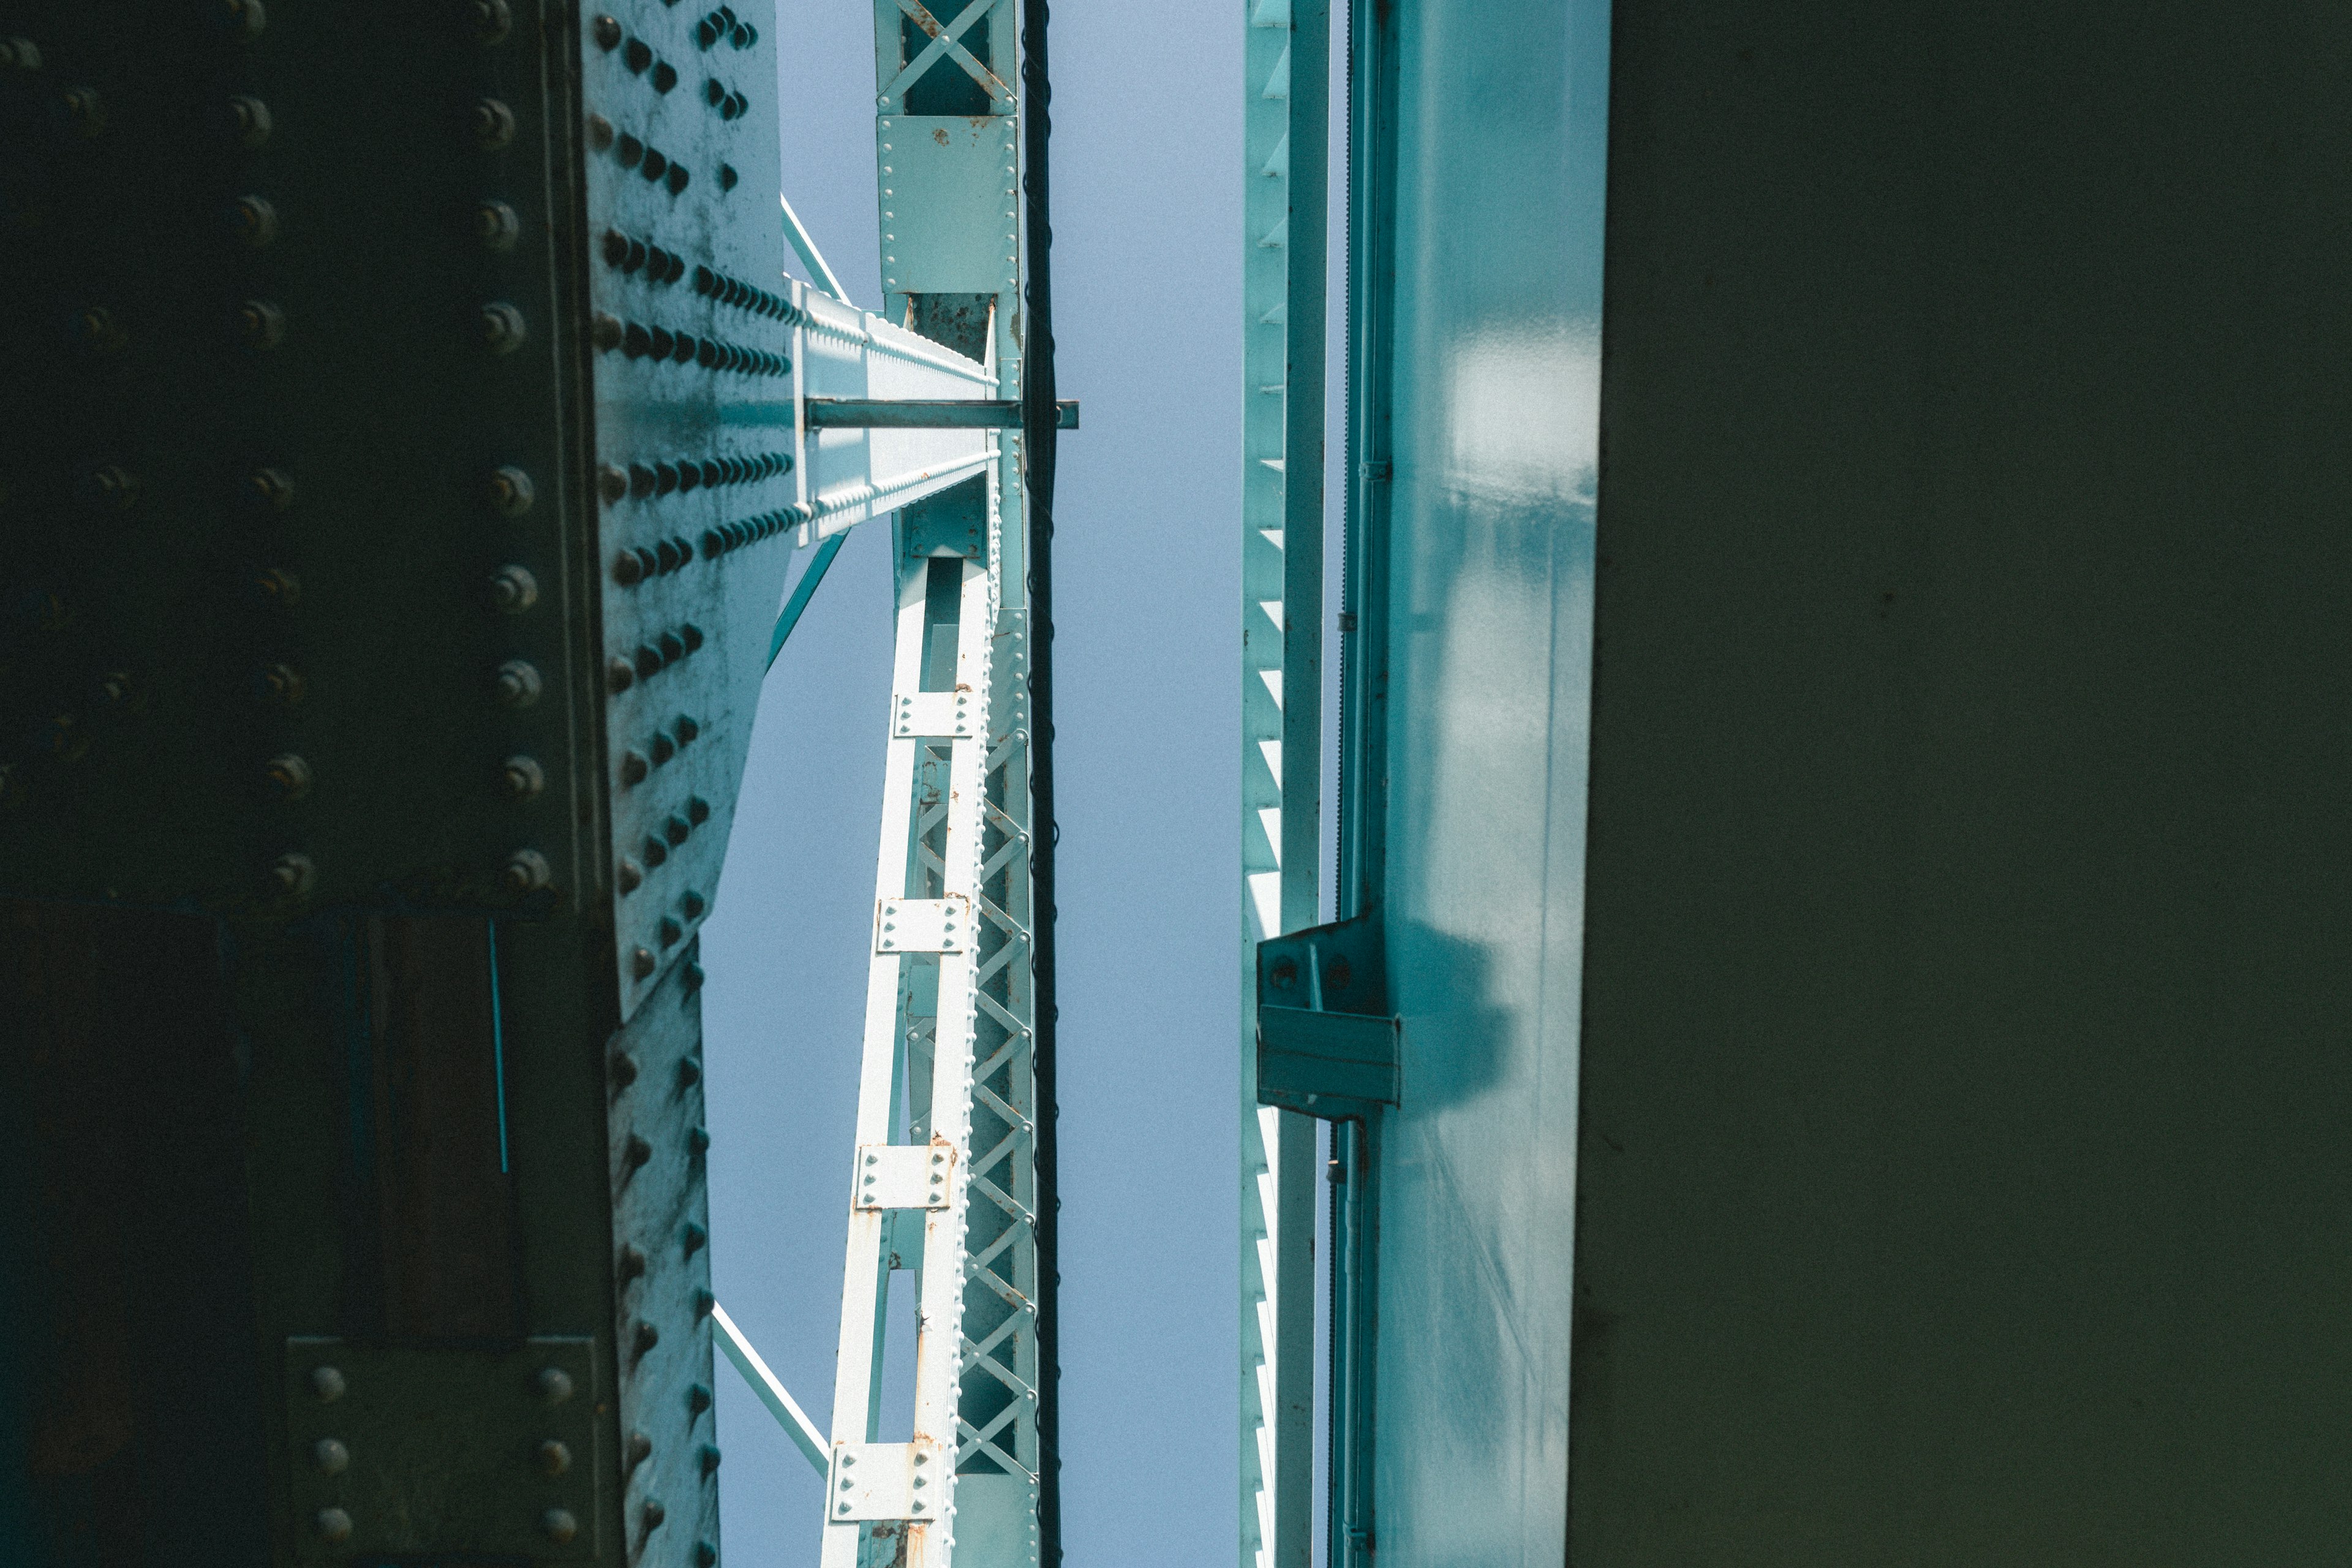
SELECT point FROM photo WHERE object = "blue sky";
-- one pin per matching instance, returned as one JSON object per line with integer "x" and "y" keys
{"x": 1146, "y": 181}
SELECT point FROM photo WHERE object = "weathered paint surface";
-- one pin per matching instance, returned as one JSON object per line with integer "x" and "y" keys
{"x": 1499, "y": 137}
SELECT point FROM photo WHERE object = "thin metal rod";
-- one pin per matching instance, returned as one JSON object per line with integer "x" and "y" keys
{"x": 803, "y": 592}
{"x": 1039, "y": 433}
{"x": 806, "y": 250}
{"x": 772, "y": 1392}
{"x": 926, "y": 414}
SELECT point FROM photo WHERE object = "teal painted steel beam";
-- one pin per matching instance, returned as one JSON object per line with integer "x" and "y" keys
{"x": 803, "y": 592}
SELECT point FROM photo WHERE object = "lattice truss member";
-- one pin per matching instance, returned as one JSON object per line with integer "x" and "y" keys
{"x": 944, "y": 1179}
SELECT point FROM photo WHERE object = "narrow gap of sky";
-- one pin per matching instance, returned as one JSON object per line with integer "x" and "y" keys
{"x": 1147, "y": 184}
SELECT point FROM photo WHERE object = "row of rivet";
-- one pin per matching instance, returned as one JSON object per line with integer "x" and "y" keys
{"x": 621, "y": 674}
{"x": 666, "y": 744}
{"x": 639, "y": 342}
{"x": 731, "y": 536}
{"x": 722, "y": 24}
{"x": 651, "y": 162}
{"x": 634, "y": 566}
{"x": 112, "y": 488}
{"x": 675, "y": 829}
{"x": 659, "y": 478}
{"x": 630, "y": 255}
{"x": 259, "y": 326}
{"x": 730, "y": 290}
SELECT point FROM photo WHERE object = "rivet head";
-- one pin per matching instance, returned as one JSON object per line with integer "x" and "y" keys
{"x": 241, "y": 19}
{"x": 333, "y": 1524}
{"x": 607, "y": 33}
{"x": 638, "y": 1448}
{"x": 326, "y": 1383}
{"x": 513, "y": 589}
{"x": 526, "y": 872}
{"x": 641, "y": 963}
{"x": 517, "y": 683}
{"x": 19, "y": 54}
{"x": 248, "y": 119}
{"x": 293, "y": 875}
{"x": 84, "y": 111}
{"x": 496, "y": 225}
{"x": 493, "y": 124}
{"x": 554, "y": 1384}
{"x": 600, "y": 132}
{"x": 554, "y": 1457}
{"x": 510, "y": 491}
{"x": 260, "y": 325}
{"x": 619, "y": 675}
{"x": 608, "y": 334}
{"x": 612, "y": 481}
{"x": 272, "y": 488}
{"x": 252, "y": 221}
{"x": 332, "y": 1458}
{"x": 629, "y": 875}
{"x": 288, "y": 775}
{"x": 502, "y": 328}
{"x": 492, "y": 21}
{"x": 559, "y": 1526}
{"x": 102, "y": 330}
{"x": 632, "y": 768}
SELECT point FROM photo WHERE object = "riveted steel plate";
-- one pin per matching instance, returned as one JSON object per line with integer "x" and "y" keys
{"x": 444, "y": 1450}
{"x": 662, "y": 1299}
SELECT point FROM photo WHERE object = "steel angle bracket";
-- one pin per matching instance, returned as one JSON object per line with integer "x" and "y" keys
{"x": 1327, "y": 1045}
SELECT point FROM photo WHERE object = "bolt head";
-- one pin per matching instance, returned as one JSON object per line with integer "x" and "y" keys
{"x": 517, "y": 683}
{"x": 496, "y": 225}
{"x": 502, "y": 328}
{"x": 493, "y": 124}
{"x": 522, "y": 777}
{"x": 510, "y": 491}
{"x": 526, "y": 872}
{"x": 513, "y": 589}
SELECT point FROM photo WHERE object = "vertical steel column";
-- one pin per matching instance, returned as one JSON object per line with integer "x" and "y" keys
{"x": 914, "y": 1155}
{"x": 1284, "y": 146}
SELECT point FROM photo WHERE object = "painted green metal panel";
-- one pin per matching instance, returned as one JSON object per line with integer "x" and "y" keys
{"x": 1479, "y": 135}
{"x": 1963, "y": 1076}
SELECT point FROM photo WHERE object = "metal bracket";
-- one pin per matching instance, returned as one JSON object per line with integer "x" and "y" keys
{"x": 934, "y": 713}
{"x": 887, "y": 1480}
{"x": 1327, "y": 1045}
{"x": 442, "y": 1450}
{"x": 904, "y": 1175}
{"x": 923, "y": 925}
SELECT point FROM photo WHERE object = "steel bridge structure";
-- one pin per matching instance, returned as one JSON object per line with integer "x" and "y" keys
{"x": 1823, "y": 1039}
